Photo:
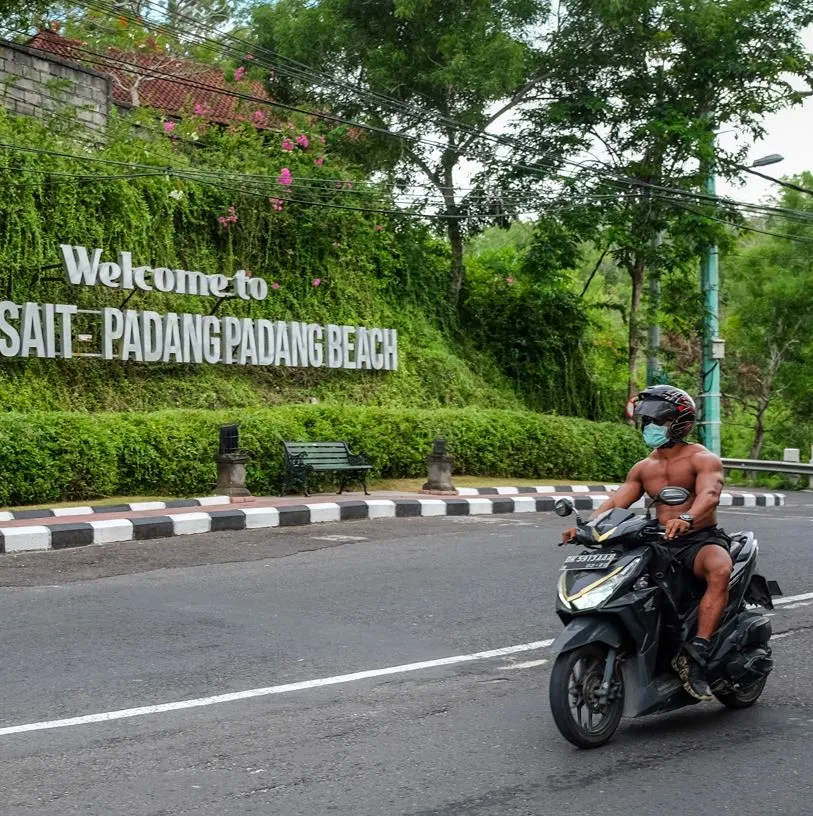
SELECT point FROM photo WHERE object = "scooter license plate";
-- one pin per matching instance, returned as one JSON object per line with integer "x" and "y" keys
{"x": 589, "y": 561}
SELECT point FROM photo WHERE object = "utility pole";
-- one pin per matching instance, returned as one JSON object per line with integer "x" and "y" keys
{"x": 712, "y": 345}
{"x": 653, "y": 366}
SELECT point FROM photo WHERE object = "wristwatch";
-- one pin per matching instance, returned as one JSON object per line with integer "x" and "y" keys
{"x": 688, "y": 518}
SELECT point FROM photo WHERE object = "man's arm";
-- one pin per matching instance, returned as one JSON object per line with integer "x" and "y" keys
{"x": 626, "y": 495}
{"x": 708, "y": 484}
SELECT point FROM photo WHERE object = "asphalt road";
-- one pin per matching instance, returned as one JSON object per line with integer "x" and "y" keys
{"x": 131, "y": 626}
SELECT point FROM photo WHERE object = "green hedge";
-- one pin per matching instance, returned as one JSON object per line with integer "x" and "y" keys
{"x": 49, "y": 457}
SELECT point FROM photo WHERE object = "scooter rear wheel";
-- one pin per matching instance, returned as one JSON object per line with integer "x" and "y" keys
{"x": 743, "y": 697}
{"x": 581, "y": 717}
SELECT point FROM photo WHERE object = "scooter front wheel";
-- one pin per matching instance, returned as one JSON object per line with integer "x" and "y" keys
{"x": 585, "y": 714}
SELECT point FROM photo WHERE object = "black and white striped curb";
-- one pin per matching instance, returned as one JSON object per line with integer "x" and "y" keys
{"x": 53, "y": 512}
{"x": 726, "y": 499}
{"x": 513, "y": 491}
{"x": 81, "y": 534}
{"x": 108, "y": 531}
{"x": 738, "y": 499}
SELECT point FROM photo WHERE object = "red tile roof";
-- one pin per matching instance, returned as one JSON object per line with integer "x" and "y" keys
{"x": 174, "y": 85}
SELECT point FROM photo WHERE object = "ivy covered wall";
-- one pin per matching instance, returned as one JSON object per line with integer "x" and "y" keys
{"x": 187, "y": 195}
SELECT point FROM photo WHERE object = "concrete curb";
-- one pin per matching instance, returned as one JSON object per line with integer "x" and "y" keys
{"x": 90, "y": 510}
{"x": 751, "y": 499}
{"x": 83, "y": 534}
{"x": 513, "y": 491}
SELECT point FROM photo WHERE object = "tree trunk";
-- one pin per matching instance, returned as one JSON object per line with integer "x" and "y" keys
{"x": 636, "y": 270}
{"x": 453, "y": 230}
{"x": 456, "y": 272}
{"x": 759, "y": 433}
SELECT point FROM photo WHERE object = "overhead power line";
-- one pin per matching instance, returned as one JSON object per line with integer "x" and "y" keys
{"x": 303, "y": 71}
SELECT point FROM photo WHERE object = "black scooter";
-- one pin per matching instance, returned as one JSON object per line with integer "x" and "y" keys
{"x": 623, "y": 625}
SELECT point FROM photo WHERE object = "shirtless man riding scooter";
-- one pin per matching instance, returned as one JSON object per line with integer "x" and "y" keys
{"x": 666, "y": 416}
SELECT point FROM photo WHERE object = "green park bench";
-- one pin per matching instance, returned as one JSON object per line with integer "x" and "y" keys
{"x": 304, "y": 458}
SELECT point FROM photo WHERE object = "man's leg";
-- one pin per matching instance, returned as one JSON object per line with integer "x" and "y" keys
{"x": 713, "y": 565}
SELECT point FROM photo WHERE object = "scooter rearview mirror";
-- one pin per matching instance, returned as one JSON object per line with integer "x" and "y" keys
{"x": 563, "y": 508}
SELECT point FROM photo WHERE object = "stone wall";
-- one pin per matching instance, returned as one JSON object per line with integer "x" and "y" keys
{"x": 33, "y": 83}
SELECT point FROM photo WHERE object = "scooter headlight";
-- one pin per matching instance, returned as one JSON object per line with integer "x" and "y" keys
{"x": 601, "y": 590}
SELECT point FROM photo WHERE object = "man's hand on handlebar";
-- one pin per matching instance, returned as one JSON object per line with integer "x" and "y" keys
{"x": 569, "y": 536}
{"x": 675, "y": 527}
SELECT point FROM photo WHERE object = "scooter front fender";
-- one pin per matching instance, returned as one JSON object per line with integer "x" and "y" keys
{"x": 588, "y": 629}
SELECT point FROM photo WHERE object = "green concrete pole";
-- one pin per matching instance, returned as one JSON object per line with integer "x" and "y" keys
{"x": 710, "y": 397}
{"x": 653, "y": 366}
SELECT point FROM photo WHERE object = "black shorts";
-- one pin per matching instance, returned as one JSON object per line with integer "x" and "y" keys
{"x": 685, "y": 549}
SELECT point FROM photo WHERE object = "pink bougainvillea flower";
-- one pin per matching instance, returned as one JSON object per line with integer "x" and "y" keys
{"x": 348, "y": 184}
{"x": 319, "y": 161}
{"x": 277, "y": 203}
{"x": 317, "y": 281}
{"x": 199, "y": 109}
{"x": 275, "y": 285}
{"x": 287, "y": 144}
{"x": 259, "y": 117}
{"x": 379, "y": 227}
{"x": 169, "y": 127}
{"x": 302, "y": 141}
{"x": 229, "y": 219}
{"x": 239, "y": 73}
{"x": 285, "y": 178}
{"x": 322, "y": 140}
{"x": 509, "y": 280}
{"x": 249, "y": 57}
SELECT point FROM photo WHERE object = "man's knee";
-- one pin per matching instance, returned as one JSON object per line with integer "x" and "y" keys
{"x": 717, "y": 573}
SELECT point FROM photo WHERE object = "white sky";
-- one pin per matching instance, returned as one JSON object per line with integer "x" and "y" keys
{"x": 789, "y": 133}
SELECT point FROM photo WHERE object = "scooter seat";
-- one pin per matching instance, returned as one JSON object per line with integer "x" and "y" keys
{"x": 742, "y": 544}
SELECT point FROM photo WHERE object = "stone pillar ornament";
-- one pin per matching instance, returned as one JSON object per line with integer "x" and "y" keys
{"x": 231, "y": 475}
{"x": 231, "y": 465}
{"x": 439, "y": 464}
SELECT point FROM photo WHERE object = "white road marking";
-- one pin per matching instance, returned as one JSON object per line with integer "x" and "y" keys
{"x": 200, "y": 702}
{"x": 808, "y": 596}
{"x": 531, "y": 664}
{"x": 339, "y": 538}
{"x": 108, "y": 716}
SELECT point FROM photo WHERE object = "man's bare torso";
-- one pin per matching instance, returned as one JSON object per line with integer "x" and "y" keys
{"x": 678, "y": 470}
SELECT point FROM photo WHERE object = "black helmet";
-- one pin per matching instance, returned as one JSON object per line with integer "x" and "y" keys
{"x": 665, "y": 404}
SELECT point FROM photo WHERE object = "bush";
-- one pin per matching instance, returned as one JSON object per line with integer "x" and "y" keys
{"x": 50, "y": 457}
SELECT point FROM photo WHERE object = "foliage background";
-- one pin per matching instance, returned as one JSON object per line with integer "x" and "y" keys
{"x": 62, "y": 456}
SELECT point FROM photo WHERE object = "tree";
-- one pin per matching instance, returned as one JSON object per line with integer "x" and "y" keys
{"x": 648, "y": 83}
{"x": 417, "y": 67}
{"x": 181, "y": 20}
{"x": 769, "y": 319}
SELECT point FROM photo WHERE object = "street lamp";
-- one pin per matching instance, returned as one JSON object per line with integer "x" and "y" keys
{"x": 773, "y": 158}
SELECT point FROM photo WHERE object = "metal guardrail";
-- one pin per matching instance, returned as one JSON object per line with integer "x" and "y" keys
{"x": 794, "y": 468}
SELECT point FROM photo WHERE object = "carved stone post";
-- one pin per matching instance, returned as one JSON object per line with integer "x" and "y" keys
{"x": 231, "y": 475}
{"x": 439, "y": 464}
{"x": 231, "y": 465}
